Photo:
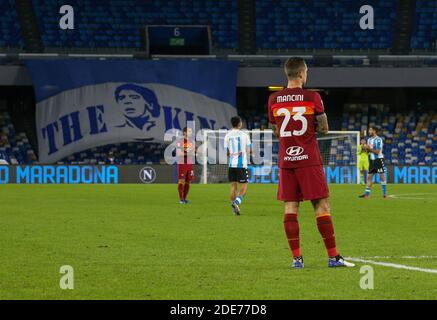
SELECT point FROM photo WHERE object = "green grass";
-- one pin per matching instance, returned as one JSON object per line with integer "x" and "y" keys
{"x": 137, "y": 242}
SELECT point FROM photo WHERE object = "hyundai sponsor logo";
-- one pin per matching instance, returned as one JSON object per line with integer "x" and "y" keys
{"x": 294, "y": 151}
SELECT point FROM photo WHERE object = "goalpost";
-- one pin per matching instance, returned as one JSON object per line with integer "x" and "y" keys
{"x": 340, "y": 148}
{"x": 337, "y": 148}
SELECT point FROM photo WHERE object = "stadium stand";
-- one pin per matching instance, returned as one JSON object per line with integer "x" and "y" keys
{"x": 14, "y": 145}
{"x": 10, "y": 29}
{"x": 425, "y": 25}
{"x": 282, "y": 24}
{"x": 253, "y": 120}
{"x": 117, "y": 23}
{"x": 409, "y": 138}
{"x": 125, "y": 153}
{"x": 322, "y": 24}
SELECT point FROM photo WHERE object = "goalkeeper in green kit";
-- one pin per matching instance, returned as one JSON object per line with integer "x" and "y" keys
{"x": 363, "y": 162}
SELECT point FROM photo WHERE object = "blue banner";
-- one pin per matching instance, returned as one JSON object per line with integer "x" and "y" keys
{"x": 83, "y": 104}
{"x": 216, "y": 79}
{"x": 110, "y": 174}
{"x": 348, "y": 174}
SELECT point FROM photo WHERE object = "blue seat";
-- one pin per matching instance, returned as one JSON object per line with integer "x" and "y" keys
{"x": 425, "y": 25}
{"x": 126, "y": 17}
{"x": 322, "y": 24}
{"x": 400, "y": 144}
{"x": 10, "y": 29}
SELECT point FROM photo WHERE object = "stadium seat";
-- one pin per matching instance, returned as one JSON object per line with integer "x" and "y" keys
{"x": 14, "y": 146}
{"x": 408, "y": 138}
{"x": 425, "y": 25}
{"x": 125, "y": 153}
{"x": 118, "y": 23}
{"x": 10, "y": 29}
{"x": 322, "y": 24}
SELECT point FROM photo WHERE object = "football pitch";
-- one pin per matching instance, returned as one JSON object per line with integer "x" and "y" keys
{"x": 138, "y": 242}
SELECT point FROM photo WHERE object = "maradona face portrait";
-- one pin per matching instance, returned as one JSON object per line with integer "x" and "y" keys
{"x": 138, "y": 104}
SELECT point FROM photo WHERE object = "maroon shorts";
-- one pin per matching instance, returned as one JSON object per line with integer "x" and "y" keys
{"x": 306, "y": 183}
{"x": 185, "y": 172}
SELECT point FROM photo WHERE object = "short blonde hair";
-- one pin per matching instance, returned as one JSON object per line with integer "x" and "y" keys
{"x": 293, "y": 66}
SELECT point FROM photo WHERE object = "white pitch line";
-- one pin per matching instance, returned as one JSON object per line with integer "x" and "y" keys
{"x": 401, "y": 197}
{"x": 399, "y": 257}
{"x": 419, "y": 257}
{"x": 414, "y": 194}
{"x": 393, "y": 265}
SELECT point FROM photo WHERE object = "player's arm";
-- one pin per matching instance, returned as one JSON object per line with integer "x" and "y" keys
{"x": 376, "y": 149}
{"x": 322, "y": 123}
{"x": 180, "y": 149}
{"x": 248, "y": 145}
{"x": 272, "y": 120}
{"x": 226, "y": 145}
{"x": 249, "y": 150}
{"x": 364, "y": 148}
{"x": 321, "y": 117}
{"x": 275, "y": 130}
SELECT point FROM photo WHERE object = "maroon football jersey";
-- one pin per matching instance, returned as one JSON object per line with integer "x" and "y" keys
{"x": 188, "y": 149}
{"x": 293, "y": 111}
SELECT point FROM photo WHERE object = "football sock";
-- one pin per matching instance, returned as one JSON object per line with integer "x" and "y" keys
{"x": 384, "y": 188}
{"x": 238, "y": 200}
{"x": 365, "y": 177}
{"x": 367, "y": 192}
{"x": 362, "y": 178}
{"x": 326, "y": 229}
{"x": 186, "y": 189}
{"x": 291, "y": 226}
{"x": 181, "y": 191}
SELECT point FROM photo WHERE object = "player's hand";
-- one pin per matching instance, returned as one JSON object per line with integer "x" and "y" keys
{"x": 275, "y": 130}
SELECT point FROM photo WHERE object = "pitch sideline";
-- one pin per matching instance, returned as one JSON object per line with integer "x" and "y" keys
{"x": 412, "y": 196}
{"x": 392, "y": 265}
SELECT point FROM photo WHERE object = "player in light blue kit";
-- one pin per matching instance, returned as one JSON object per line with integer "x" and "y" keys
{"x": 374, "y": 147}
{"x": 238, "y": 145}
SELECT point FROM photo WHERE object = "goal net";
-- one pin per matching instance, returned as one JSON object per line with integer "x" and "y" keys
{"x": 339, "y": 150}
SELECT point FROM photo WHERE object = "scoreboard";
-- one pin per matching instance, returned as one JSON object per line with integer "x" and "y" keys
{"x": 178, "y": 39}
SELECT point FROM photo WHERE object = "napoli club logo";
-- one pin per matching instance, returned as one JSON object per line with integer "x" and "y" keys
{"x": 147, "y": 175}
{"x": 139, "y": 106}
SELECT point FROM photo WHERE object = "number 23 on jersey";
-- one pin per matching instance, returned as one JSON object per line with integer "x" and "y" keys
{"x": 294, "y": 122}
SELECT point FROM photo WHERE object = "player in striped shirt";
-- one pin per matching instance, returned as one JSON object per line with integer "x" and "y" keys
{"x": 374, "y": 147}
{"x": 237, "y": 143}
